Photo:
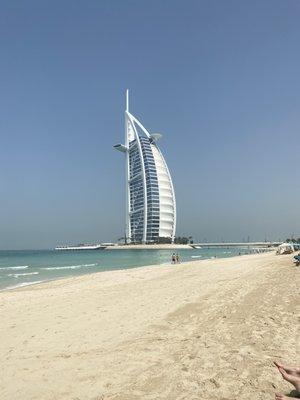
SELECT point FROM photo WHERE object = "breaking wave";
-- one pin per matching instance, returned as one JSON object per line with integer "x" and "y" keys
{"x": 28, "y": 273}
{"x": 70, "y": 267}
{"x": 18, "y": 267}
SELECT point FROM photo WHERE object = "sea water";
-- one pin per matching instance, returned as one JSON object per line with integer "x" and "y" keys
{"x": 27, "y": 267}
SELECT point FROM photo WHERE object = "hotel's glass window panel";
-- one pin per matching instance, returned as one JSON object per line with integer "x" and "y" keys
{"x": 136, "y": 190}
{"x": 152, "y": 191}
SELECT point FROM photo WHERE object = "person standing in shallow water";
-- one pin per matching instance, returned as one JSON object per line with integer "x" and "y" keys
{"x": 173, "y": 258}
{"x": 177, "y": 258}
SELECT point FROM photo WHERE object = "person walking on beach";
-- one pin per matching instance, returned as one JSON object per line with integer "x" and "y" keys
{"x": 177, "y": 258}
{"x": 173, "y": 258}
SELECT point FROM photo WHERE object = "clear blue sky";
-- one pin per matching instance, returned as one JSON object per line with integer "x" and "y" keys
{"x": 220, "y": 79}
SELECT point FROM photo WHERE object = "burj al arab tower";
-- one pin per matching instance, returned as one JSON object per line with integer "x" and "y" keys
{"x": 150, "y": 197}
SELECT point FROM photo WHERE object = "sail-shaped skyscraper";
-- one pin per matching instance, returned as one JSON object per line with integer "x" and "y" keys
{"x": 150, "y": 197}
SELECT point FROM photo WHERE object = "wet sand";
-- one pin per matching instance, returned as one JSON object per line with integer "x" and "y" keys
{"x": 200, "y": 330}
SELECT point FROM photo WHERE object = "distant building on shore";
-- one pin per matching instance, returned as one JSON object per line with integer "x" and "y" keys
{"x": 150, "y": 197}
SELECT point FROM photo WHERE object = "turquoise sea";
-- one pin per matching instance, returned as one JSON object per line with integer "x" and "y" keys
{"x": 26, "y": 267}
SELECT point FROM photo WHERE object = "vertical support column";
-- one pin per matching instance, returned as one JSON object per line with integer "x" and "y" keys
{"x": 127, "y": 174}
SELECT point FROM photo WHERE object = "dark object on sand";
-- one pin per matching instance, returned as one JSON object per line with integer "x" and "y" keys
{"x": 297, "y": 258}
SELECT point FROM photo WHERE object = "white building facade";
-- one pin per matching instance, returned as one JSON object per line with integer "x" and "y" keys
{"x": 150, "y": 197}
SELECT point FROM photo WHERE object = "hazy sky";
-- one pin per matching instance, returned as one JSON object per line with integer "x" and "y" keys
{"x": 220, "y": 79}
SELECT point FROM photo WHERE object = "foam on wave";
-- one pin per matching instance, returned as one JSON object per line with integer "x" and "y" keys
{"x": 24, "y": 284}
{"x": 69, "y": 267}
{"x": 28, "y": 273}
{"x": 17, "y": 267}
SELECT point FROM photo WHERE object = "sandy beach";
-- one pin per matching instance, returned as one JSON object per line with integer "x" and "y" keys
{"x": 201, "y": 330}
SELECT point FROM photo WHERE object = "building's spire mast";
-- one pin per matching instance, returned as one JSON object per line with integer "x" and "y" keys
{"x": 127, "y": 99}
{"x": 127, "y": 173}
